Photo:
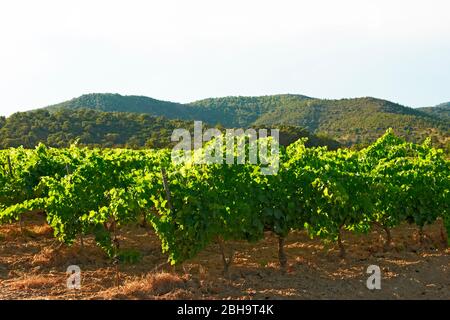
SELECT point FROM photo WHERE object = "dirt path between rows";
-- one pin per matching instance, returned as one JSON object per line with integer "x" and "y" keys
{"x": 33, "y": 266}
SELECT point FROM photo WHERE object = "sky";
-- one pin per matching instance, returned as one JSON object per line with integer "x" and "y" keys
{"x": 178, "y": 50}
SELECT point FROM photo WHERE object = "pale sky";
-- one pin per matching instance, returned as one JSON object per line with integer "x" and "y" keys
{"x": 179, "y": 50}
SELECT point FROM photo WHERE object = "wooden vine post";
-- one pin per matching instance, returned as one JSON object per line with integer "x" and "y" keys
{"x": 166, "y": 188}
{"x": 168, "y": 195}
{"x": 11, "y": 172}
{"x": 10, "y": 165}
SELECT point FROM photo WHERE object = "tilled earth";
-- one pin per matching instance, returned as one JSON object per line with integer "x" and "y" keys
{"x": 33, "y": 266}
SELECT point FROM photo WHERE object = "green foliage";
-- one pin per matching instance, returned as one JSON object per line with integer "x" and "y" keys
{"x": 87, "y": 127}
{"x": 129, "y": 256}
{"x": 350, "y": 121}
{"x": 190, "y": 206}
{"x": 115, "y": 102}
{"x": 110, "y": 129}
{"x": 359, "y": 121}
{"x": 241, "y": 111}
{"x": 441, "y": 111}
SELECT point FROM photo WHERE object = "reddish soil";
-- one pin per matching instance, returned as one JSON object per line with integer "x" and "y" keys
{"x": 33, "y": 266}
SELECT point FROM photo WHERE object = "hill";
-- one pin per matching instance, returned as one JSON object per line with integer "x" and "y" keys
{"x": 360, "y": 120}
{"x": 62, "y": 127}
{"x": 242, "y": 111}
{"x": 229, "y": 111}
{"x": 350, "y": 121}
{"x": 441, "y": 111}
{"x": 110, "y": 102}
{"x": 108, "y": 129}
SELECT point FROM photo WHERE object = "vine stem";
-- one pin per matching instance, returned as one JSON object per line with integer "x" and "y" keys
{"x": 421, "y": 235}
{"x": 388, "y": 240}
{"x": 21, "y": 223}
{"x": 444, "y": 236}
{"x": 117, "y": 275}
{"x": 10, "y": 165}
{"x": 144, "y": 220}
{"x": 167, "y": 188}
{"x": 227, "y": 261}
{"x": 116, "y": 252}
{"x": 81, "y": 241}
{"x": 281, "y": 254}
{"x": 342, "y": 252}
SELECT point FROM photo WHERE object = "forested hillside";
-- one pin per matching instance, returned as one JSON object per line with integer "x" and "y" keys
{"x": 137, "y": 121}
{"x": 110, "y": 129}
{"x": 441, "y": 111}
{"x": 243, "y": 111}
{"x": 350, "y": 121}
{"x": 90, "y": 127}
{"x": 360, "y": 120}
{"x": 119, "y": 103}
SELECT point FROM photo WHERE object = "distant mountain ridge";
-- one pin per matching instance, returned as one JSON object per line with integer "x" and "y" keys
{"x": 441, "y": 111}
{"x": 359, "y": 120}
{"x": 229, "y": 111}
{"x": 113, "y": 102}
{"x": 350, "y": 121}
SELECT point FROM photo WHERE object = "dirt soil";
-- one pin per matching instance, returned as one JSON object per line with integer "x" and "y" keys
{"x": 33, "y": 266}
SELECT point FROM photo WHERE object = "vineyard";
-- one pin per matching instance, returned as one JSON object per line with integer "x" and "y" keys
{"x": 96, "y": 192}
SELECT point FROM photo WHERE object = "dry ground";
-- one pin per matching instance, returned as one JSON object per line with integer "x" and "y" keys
{"x": 33, "y": 265}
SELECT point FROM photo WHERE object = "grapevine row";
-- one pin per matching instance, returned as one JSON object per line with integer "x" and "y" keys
{"x": 96, "y": 191}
